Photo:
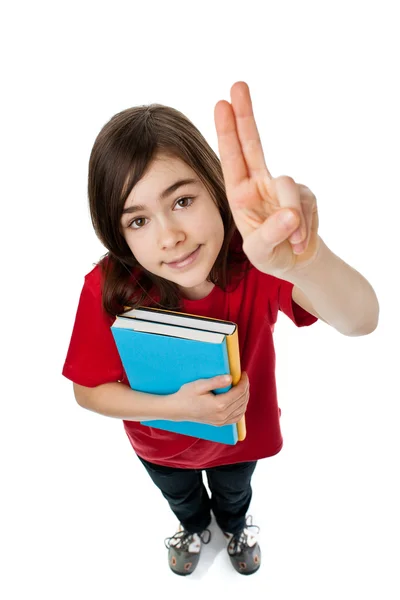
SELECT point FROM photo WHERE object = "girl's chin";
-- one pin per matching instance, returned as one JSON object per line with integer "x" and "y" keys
{"x": 197, "y": 292}
{"x": 190, "y": 282}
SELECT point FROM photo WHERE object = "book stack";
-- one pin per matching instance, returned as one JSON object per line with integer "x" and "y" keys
{"x": 162, "y": 350}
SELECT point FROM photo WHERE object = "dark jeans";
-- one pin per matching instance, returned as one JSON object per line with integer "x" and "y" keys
{"x": 189, "y": 501}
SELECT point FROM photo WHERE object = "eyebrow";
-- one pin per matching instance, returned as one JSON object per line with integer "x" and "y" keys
{"x": 170, "y": 190}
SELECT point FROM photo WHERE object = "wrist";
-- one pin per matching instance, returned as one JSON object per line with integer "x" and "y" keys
{"x": 315, "y": 268}
{"x": 168, "y": 407}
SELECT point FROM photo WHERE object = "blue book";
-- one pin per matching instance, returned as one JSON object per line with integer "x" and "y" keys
{"x": 162, "y": 350}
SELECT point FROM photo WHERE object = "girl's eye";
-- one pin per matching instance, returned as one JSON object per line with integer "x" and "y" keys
{"x": 186, "y": 202}
{"x": 182, "y": 203}
{"x": 137, "y": 223}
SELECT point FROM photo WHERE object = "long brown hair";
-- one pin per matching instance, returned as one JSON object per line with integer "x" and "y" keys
{"x": 121, "y": 154}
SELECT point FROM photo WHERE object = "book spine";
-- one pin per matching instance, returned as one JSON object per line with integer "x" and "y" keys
{"x": 232, "y": 343}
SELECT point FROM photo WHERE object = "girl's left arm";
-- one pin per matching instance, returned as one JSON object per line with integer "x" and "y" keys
{"x": 333, "y": 291}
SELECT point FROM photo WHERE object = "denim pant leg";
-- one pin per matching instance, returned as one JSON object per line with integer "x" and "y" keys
{"x": 185, "y": 492}
{"x": 231, "y": 494}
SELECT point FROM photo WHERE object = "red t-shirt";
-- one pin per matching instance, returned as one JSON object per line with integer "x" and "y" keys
{"x": 93, "y": 359}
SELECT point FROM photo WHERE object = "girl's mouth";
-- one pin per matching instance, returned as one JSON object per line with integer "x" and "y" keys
{"x": 186, "y": 261}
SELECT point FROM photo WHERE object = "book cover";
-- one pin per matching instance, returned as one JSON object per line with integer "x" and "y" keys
{"x": 158, "y": 360}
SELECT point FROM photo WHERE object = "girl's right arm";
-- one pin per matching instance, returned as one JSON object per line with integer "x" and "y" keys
{"x": 92, "y": 353}
{"x": 193, "y": 402}
{"x": 121, "y": 402}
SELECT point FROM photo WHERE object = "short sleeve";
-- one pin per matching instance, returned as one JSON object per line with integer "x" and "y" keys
{"x": 92, "y": 358}
{"x": 296, "y": 313}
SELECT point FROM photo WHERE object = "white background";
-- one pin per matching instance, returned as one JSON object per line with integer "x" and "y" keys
{"x": 80, "y": 517}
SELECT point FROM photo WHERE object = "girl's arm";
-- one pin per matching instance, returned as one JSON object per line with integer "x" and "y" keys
{"x": 121, "y": 402}
{"x": 193, "y": 402}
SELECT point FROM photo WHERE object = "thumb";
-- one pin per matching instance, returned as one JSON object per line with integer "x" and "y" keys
{"x": 278, "y": 227}
{"x": 260, "y": 244}
{"x": 202, "y": 386}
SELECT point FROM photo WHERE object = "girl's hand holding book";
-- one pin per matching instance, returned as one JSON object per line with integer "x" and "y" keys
{"x": 196, "y": 402}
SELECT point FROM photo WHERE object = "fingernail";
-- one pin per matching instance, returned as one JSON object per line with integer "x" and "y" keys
{"x": 296, "y": 237}
{"x": 286, "y": 217}
{"x": 299, "y": 249}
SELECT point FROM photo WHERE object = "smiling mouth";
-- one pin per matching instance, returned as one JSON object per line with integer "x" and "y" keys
{"x": 185, "y": 260}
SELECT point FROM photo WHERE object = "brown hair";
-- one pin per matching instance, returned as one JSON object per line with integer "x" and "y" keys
{"x": 121, "y": 154}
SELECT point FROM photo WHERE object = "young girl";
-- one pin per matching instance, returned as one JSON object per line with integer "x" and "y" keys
{"x": 224, "y": 240}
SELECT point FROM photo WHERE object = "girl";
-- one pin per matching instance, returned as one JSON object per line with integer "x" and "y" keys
{"x": 224, "y": 240}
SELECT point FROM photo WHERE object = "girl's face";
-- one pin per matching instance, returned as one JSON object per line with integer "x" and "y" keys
{"x": 173, "y": 227}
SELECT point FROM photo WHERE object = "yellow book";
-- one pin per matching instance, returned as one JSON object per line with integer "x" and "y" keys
{"x": 232, "y": 342}
{"x": 199, "y": 323}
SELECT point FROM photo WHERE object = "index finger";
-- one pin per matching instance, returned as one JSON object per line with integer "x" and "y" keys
{"x": 232, "y": 160}
{"x": 247, "y": 129}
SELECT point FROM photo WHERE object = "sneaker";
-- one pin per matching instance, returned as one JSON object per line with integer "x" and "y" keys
{"x": 184, "y": 550}
{"x": 243, "y": 549}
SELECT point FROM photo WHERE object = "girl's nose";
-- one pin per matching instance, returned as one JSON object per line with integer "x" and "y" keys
{"x": 169, "y": 235}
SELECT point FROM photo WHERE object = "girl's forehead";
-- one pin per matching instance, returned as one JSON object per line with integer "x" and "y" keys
{"x": 162, "y": 173}
{"x": 166, "y": 165}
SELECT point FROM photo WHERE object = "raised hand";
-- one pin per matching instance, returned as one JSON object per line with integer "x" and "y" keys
{"x": 277, "y": 218}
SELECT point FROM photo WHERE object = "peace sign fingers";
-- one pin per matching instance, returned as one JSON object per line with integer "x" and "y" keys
{"x": 239, "y": 143}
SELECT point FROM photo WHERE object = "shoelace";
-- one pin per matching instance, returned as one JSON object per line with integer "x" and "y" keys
{"x": 239, "y": 541}
{"x": 185, "y": 538}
